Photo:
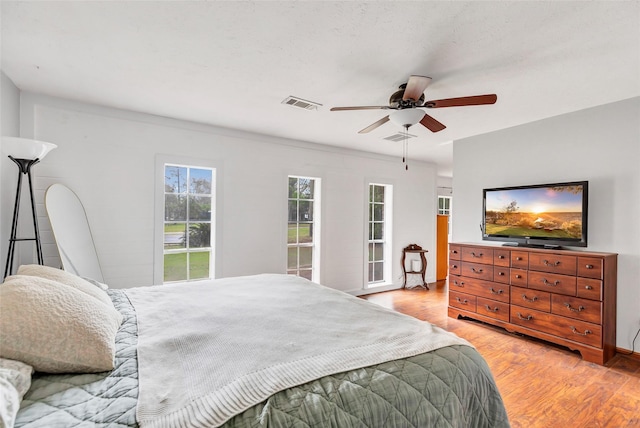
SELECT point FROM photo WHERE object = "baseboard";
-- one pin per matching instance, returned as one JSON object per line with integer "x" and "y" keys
{"x": 627, "y": 353}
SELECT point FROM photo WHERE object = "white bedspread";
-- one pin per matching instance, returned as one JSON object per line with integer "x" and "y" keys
{"x": 209, "y": 350}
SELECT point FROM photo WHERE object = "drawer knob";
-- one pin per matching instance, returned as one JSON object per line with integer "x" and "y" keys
{"x": 527, "y": 318}
{"x": 518, "y": 276}
{"x": 545, "y": 282}
{"x": 548, "y": 263}
{"x": 575, "y": 331}
{"x": 454, "y": 266}
{"x": 501, "y": 257}
{"x": 474, "y": 270}
{"x": 491, "y": 309}
{"x": 464, "y": 302}
{"x": 454, "y": 252}
{"x": 496, "y": 291}
{"x": 518, "y": 258}
{"x": 580, "y": 308}
{"x": 588, "y": 287}
{"x": 526, "y": 299}
{"x": 458, "y": 283}
{"x": 500, "y": 273}
{"x": 589, "y": 266}
{"x": 476, "y": 255}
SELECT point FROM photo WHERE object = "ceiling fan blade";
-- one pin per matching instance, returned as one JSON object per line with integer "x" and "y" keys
{"x": 475, "y": 100}
{"x": 431, "y": 124}
{"x": 415, "y": 87}
{"x": 359, "y": 108}
{"x": 374, "y": 125}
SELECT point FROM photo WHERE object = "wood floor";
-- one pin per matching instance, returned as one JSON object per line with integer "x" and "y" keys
{"x": 542, "y": 385}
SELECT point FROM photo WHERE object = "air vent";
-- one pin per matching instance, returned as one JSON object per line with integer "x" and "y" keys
{"x": 299, "y": 102}
{"x": 400, "y": 136}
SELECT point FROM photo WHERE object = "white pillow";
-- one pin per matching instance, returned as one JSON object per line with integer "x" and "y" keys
{"x": 67, "y": 278}
{"x": 56, "y": 328}
{"x": 15, "y": 380}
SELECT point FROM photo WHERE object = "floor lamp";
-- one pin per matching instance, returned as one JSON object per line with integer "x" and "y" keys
{"x": 24, "y": 153}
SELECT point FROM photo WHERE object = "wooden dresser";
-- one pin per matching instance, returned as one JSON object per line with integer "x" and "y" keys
{"x": 561, "y": 296}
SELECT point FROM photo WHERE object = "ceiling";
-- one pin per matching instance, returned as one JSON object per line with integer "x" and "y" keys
{"x": 231, "y": 64}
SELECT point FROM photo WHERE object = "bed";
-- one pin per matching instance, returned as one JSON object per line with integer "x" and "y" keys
{"x": 175, "y": 366}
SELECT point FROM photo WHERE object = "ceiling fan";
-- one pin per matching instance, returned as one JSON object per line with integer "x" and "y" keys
{"x": 408, "y": 102}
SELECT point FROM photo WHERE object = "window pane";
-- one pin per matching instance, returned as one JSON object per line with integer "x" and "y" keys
{"x": 371, "y": 272}
{"x": 305, "y": 233}
{"x": 306, "y": 188}
{"x": 175, "y": 208}
{"x": 199, "y": 235}
{"x": 306, "y": 211}
{"x": 371, "y": 251}
{"x": 378, "y": 212}
{"x": 378, "y": 229}
{"x": 378, "y": 194}
{"x": 293, "y": 188}
{"x": 293, "y": 210}
{"x": 306, "y": 273}
{"x": 370, "y": 231}
{"x": 174, "y": 235}
{"x": 175, "y": 179}
{"x": 306, "y": 254}
{"x": 379, "y": 252}
{"x": 377, "y": 271}
{"x": 175, "y": 267}
{"x": 292, "y": 258}
{"x": 199, "y": 208}
{"x": 199, "y": 265}
{"x": 200, "y": 181}
{"x": 292, "y": 233}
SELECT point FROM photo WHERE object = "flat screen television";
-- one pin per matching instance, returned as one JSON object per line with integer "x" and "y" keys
{"x": 540, "y": 215}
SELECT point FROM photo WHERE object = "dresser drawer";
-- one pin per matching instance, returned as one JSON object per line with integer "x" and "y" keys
{"x": 501, "y": 274}
{"x": 590, "y": 267}
{"x": 589, "y": 288}
{"x": 454, "y": 267}
{"x": 552, "y": 283}
{"x": 554, "y": 263}
{"x": 493, "y": 309}
{"x": 518, "y": 277}
{"x": 462, "y": 301}
{"x": 567, "y": 328}
{"x": 477, "y": 287}
{"x": 477, "y": 255}
{"x": 454, "y": 252}
{"x": 501, "y": 258}
{"x": 477, "y": 270}
{"x": 573, "y": 307}
{"x": 533, "y": 299}
{"x": 520, "y": 259}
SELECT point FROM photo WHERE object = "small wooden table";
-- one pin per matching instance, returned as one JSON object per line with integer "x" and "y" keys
{"x": 414, "y": 248}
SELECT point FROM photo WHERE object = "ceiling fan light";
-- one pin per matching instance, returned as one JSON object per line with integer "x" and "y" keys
{"x": 406, "y": 117}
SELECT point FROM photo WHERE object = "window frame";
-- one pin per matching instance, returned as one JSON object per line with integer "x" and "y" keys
{"x": 316, "y": 226}
{"x": 387, "y": 239}
{"x": 159, "y": 210}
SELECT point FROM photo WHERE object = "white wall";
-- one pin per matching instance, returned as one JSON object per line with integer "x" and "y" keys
{"x": 9, "y": 126}
{"x": 107, "y": 157}
{"x": 601, "y": 145}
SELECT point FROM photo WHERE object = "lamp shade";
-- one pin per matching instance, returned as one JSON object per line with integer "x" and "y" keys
{"x": 406, "y": 117}
{"x": 25, "y": 148}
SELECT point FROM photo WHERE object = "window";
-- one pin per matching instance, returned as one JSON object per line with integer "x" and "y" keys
{"x": 444, "y": 205}
{"x": 188, "y": 219}
{"x": 303, "y": 227}
{"x": 379, "y": 234}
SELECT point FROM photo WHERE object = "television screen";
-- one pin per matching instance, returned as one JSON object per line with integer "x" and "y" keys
{"x": 542, "y": 214}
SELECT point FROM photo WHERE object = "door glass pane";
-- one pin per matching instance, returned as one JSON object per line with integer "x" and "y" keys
{"x": 305, "y": 233}
{"x": 292, "y": 233}
{"x": 199, "y": 265}
{"x": 306, "y": 254}
{"x": 175, "y": 267}
{"x": 200, "y": 181}
{"x": 174, "y": 235}
{"x": 371, "y": 249}
{"x": 175, "y": 179}
{"x": 199, "y": 235}
{"x": 371, "y": 272}
{"x": 292, "y": 258}
{"x": 199, "y": 208}
{"x": 305, "y": 186}
{"x": 379, "y": 252}
{"x": 175, "y": 208}
{"x": 378, "y": 212}
{"x": 377, "y": 271}
{"x": 293, "y": 188}
{"x": 293, "y": 210}
{"x": 378, "y": 193}
{"x": 378, "y": 229}
{"x": 306, "y": 211}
